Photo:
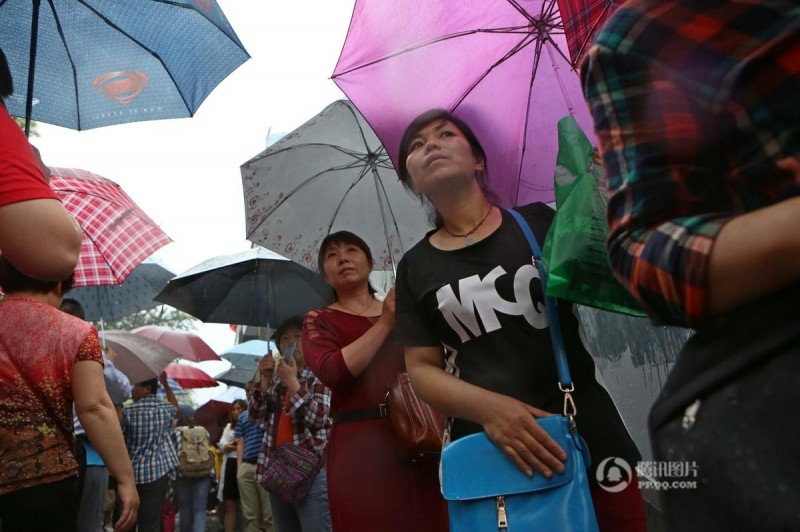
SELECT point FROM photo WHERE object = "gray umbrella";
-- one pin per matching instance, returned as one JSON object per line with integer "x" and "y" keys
{"x": 112, "y": 302}
{"x": 253, "y": 287}
{"x": 330, "y": 174}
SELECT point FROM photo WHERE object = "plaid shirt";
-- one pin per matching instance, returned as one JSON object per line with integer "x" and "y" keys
{"x": 695, "y": 104}
{"x": 147, "y": 426}
{"x": 308, "y": 409}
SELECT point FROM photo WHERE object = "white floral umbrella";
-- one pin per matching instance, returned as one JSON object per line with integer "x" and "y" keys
{"x": 330, "y": 174}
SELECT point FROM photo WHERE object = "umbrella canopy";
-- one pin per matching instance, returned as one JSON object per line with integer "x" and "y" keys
{"x": 582, "y": 19}
{"x": 253, "y": 287}
{"x": 139, "y": 358}
{"x": 189, "y": 377}
{"x": 188, "y": 344}
{"x": 239, "y": 376}
{"x": 92, "y": 63}
{"x": 500, "y": 65}
{"x": 112, "y": 302}
{"x": 117, "y": 234}
{"x": 330, "y": 174}
{"x": 246, "y": 355}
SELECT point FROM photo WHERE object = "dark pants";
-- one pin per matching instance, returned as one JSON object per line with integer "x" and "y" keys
{"x": 151, "y": 500}
{"x": 741, "y": 436}
{"x": 52, "y": 507}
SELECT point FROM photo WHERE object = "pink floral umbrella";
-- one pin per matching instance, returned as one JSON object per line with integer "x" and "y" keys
{"x": 501, "y": 65}
{"x": 117, "y": 234}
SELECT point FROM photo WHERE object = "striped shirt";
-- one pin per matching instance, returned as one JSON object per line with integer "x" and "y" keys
{"x": 147, "y": 426}
{"x": 308, "y": 409}
{"x": 253, "y": 434}
{"x": 695, "y": 105}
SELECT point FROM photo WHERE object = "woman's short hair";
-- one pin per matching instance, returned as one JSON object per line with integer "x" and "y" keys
{"x": 293, "y": 322}
{"x": 343, "y": 237}
{"x": 12, "y": 280}
{"x": 423, "y": 120}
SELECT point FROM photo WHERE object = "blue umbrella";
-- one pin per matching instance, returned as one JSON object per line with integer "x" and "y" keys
{"x": 84, "y": 64}
{"x": 247, "y": 354}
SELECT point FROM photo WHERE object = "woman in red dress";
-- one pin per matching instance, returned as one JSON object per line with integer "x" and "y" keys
{"x": 372, "y": 487}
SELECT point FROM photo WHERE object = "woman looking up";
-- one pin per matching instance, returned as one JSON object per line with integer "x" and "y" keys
{"x": 349, "y": 347}
{"x": 469, "y": 286}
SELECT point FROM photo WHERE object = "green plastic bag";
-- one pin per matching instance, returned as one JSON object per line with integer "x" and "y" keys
{"x": 574, "y": 251}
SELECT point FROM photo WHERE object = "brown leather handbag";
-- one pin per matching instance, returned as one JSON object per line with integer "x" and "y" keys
{"x": 418, "y": 427}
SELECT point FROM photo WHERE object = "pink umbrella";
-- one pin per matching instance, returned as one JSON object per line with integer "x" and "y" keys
{"x": 503, "y": 66}
{"x": 188, "y": 344}
{"x": 189, "y": 377}
{"x": 117, "y": 234}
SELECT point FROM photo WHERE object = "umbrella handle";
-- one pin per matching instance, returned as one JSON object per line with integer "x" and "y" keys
{"x": 102, "y": 335}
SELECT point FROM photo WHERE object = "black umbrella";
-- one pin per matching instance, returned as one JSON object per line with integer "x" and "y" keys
{"x": 112, "y": 302}
{"x": 254, "y": 287}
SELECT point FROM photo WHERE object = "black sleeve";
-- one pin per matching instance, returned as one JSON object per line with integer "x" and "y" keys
{"x": 410, "y": 327}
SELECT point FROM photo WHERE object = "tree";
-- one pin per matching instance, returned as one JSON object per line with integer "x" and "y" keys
{"x": 163, "y": 315}
{"x": 34, "y": 126}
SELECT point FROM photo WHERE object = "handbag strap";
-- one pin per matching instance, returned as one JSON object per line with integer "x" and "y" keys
{"x": 68, "y": 434}
{"x": 565, "y": 383}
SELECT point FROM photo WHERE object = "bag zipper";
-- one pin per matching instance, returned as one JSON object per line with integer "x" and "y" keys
{"x": 690, "y": 414}
{"x": 502, "y": 517}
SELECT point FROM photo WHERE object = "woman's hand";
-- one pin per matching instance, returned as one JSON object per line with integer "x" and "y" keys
{"x": 287, "y": 371}
{"x": 266, "y": 367}
{"x": 128, "y": 499}
{"x": 512, "y": 426}
{"x": 387, "y": 312}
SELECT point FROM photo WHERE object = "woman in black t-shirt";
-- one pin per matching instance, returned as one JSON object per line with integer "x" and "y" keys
{"x": 471, "y": 316}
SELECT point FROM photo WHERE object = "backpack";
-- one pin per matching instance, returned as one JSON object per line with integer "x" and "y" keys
{"x": 195, "y": 459}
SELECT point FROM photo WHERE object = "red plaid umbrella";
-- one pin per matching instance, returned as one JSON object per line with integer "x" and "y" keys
{"x": 188, "y": 344}
{"x": 189, "y": 376}
{"x": 117, "y": 234}
{"x": 582, "y": 20}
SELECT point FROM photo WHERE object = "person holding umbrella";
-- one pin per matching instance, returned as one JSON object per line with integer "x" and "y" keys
{"x": 469, "y": 285}
{"x": 36, "y": 233}
{"x": 49, "y": 361}
{"x": 349, "y": 346}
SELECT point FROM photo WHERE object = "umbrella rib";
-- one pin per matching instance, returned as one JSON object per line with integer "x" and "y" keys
{"x": 519, "y": 46}
{"x": 510, "y": 29}
{"x": 102, "y": 256}
{"x": 295, "y": 190}
{"x": 269, "y": 153}
{"x": 344, "y": 196}
{"x": 71, "y": 62}
{"x": 151, "y": 52}
{"x": 606, "y": 7}
{"x": 380, "y": 188}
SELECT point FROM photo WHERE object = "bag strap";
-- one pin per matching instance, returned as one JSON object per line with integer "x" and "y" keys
{"x": 565, "y": 383}
{"x": 68, "y": 434}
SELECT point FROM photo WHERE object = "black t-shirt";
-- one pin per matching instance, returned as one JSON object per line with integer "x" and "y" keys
{"x": 484, "y": 304}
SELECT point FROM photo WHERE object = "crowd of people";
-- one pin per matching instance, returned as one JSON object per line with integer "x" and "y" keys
{"x": 703, "y": 165}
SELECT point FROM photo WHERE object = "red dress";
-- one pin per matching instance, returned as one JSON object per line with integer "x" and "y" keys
{"x": 371, "y": 486}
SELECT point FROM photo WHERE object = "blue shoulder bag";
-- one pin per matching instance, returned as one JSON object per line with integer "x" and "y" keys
{"x": 485, "y": 490}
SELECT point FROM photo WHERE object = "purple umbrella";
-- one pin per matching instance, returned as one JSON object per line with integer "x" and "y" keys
{"x": 501, "y": 65}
